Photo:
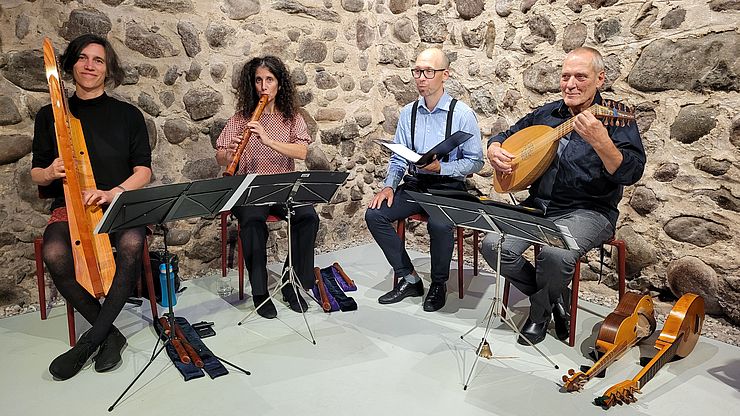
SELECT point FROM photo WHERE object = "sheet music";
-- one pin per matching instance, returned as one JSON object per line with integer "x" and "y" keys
{"x": 238, "y": 193}
{"x": 401, "y": 150}
{"x": 105, "y": 214}
{"x": 569, "y": 240}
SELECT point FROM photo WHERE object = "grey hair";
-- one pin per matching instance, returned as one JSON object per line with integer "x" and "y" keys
{"x": 597, "y": 61}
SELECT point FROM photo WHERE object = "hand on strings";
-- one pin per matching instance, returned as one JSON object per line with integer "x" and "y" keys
{"x": 97, "y": 197}
{"x": 591, "y": 129}
{"x": 56, "y": 170}
{"x": 384, "y": 194}
{"x": 500, "y": 158}
{"x": 433, "y": 166}
{"x": 258, "y": 132}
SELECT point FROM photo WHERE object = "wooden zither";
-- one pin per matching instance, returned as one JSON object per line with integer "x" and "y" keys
{"x": 93, "y": 255}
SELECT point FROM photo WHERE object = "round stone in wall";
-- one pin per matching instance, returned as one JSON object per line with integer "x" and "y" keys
{"x": 712, "y": 166}
{"x": 353, "y": 5}
{"x": 202, "y": 102}
{"x": 692, "y": 123}
{"x": 673, "y": 18}
{"x": 469, "y": 9}
{"x": 311, "y": 50}
{"x": 201, "y": 169}
{"x": 176, "y": 130}
{"x": 403, "y": 30}
{"x": 26, "y": 70}
{"x": 9, "y": 113}
{"x": 643, "y": 200}
{"x": 189, "y": 37}
{"x": 606, "y": 29}
{"x": 542, "y": 77}
{"x": 432, "y": 27}
{"x": 695, "y": 230}
{"x": 14, "y": 147}
{"x": 84, "y": 21}
{"x": 574, "y": 36}
{"x": 240, "y": 9}
{"x": 666, "y": 172}
{"x": 691, "y": 275}
{"x": 147, "y": 43}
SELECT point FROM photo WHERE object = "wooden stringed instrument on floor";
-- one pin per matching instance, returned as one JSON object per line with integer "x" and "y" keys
{"x": 534, "y": 147}
{"x": 632, "y": 321}
{"x": 92, "y": 253}
{"x": 677, "y": 339}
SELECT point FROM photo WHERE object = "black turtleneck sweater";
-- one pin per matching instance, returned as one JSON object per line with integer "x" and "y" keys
{"x": 115, "y": 136}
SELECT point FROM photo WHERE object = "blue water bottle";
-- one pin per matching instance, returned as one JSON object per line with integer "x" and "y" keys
{"x": 165, "y": 300}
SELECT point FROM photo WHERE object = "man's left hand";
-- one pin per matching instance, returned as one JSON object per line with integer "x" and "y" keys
{"x": 591, "y": 129}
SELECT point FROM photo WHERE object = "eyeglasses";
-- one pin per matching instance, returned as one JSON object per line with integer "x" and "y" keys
{"x": 429, "y": 73}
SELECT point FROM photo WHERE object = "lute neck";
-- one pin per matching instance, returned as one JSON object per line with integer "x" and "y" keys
{"x": 663, "y": 356}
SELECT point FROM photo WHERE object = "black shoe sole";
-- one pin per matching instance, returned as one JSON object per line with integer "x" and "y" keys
{"x": 102, "y": 368}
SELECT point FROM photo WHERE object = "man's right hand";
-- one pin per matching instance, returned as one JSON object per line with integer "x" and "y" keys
{"x": 385, "y": 193}
{"x": 500, "y": 158}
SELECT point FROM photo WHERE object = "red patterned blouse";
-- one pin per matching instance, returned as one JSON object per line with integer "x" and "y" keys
{"x": 257, "y": 157}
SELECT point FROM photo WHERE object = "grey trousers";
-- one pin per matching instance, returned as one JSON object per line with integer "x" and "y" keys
{"x": 546, "y": 282}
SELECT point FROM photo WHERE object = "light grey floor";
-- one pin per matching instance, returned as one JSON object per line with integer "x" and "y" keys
{"x": 390, "y": 360}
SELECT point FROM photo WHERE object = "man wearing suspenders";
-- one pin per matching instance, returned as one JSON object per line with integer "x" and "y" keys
{"x": 422, "y": 125}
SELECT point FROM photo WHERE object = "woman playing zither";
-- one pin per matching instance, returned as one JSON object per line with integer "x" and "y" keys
{"x": 278, "y": 137}
{"x": 120, "y": 156}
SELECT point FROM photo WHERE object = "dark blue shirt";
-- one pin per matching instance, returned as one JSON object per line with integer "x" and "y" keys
{"x": 577, "y": 178}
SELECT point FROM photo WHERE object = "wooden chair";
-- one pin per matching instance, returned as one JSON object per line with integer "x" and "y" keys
{"x": 240, "y": 252}
{"x": 401, "y": 231}
{"x": 621, "y": 274}
{"x": 38, "y": 244}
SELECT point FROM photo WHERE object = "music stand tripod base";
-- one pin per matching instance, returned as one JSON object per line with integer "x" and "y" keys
{"x": 505, "y": 222}
{"x": 291, "y": 189}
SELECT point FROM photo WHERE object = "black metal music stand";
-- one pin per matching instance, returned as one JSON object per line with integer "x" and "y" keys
{"x": 291, "y": 190}
{"x": 159, "y": 205}
{"x": 508, "y": 221}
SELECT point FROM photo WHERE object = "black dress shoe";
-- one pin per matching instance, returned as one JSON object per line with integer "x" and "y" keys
{"x": 71, "y": 362}
{"x": 561, "y": 317}
{"x": 533, "y": 331}
{"x": 436, "y": 297}
{"x": 109, "y": 354}
{"x": 267, "y": 310}
{"x": 296, "y": 302}
{"x": 402, "y": 290}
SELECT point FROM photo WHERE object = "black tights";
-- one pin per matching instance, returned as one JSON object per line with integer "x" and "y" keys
{"x": 58, "y": 259}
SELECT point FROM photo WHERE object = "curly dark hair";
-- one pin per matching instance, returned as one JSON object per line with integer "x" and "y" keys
{"x": 113, "y": 72}
{"x": 247, "y": 96}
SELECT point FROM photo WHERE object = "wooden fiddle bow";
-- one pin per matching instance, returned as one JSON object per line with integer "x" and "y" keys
{"x": 534, "y": 147}
{"x": 92, "y": 253}
{"x": 677, "y": 339}
{"x": 632, "y": 321}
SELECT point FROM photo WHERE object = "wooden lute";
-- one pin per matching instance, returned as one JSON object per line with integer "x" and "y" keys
{"x": 632, "y": 321}
{"x": 677, "y": 339}
{"x": 92, "y": 253}
{"x": 534, "y": 147}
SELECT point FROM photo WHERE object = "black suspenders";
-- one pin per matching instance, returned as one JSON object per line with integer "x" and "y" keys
{"x": 448, "y": 127}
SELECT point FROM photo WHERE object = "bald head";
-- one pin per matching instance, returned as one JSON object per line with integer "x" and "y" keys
{"x": 435, "y": 56}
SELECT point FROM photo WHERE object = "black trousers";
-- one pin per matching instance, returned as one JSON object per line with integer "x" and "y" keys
{"x": 254, "y": 234}
{"x": 441, "y": 234}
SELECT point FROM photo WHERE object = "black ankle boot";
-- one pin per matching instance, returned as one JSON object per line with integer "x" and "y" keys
{"x": 296, "y": 302}
{"x": 109, "y": 354}
{"x": 267, "y": 310}
{"x": 71, "y": 362}
{"x": 562, "y": 321}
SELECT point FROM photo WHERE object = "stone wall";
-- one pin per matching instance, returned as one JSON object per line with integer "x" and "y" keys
{"x": 675, "y": 62}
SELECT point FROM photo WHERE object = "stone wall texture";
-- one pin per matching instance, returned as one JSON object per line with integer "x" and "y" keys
{"x": 676, "y": 63}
